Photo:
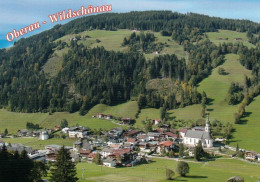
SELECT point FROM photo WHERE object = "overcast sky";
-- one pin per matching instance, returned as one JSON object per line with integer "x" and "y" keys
{"x": 20, "y": 13}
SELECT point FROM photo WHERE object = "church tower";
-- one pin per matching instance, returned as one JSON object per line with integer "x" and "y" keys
{"x": 207, "y": 127}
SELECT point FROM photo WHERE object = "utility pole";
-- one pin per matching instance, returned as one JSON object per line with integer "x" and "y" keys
{"x": 82, "y": 176}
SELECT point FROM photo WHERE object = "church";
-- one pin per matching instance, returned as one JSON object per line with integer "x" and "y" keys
{"x": 196, "y": 134}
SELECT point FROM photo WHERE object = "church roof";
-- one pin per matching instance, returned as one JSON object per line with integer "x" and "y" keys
{"x": 197, "y": 134}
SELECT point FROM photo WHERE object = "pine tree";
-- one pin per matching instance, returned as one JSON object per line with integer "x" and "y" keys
{"x": 181, "y": 150}
{"x": 199, "y": 152}
{"x": 64, "y": 169}
{"x": 6, "y": 132}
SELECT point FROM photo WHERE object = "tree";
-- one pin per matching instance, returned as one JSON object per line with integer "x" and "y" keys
{"x": 97, "y": 159}
{"x": 148, "y": 126}
{"x": 199, "y": 152}
{"x": 6, "y": 132}
{"x": 63, "y": 170}
{"x": 163, "y": 113}
{"x": 171, "y": 153}
{"x": 169, "y": 174}
{"x": 64, "y": 123}
{"x": 182, "y": 168}
{"x": 181, "y": 150}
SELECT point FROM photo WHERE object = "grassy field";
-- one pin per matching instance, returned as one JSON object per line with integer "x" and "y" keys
{"x": 230, "y": 35}
{"x": 53, "y": 65}
{"x": 15, "y": 121}
{"x": 145, "y": 114}
{"x": 155, "y": 171}
{"x": 216, "y": 87}
{"x": 35, "y": 143}
{"x": 247, "y": 134}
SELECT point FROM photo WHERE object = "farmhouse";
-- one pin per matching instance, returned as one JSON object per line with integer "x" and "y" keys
{"x": 192, "y": 137}
{"x": 250, "y": 155}
{"x": 79, "y": 132}
{"x": 156, "y": 121}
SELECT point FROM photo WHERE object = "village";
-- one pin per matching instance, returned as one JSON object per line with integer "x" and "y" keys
{"x": 120, "y": 147}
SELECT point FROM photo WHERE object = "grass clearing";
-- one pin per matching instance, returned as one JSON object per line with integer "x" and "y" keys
{"x": 155, "y": 171}
{"x": 247, "y": 134}
{"x": 145, "y": 114}
{"x": 221, "y": 35}
{"x": 216, "y": 87}
{"x": 35, "y": 143}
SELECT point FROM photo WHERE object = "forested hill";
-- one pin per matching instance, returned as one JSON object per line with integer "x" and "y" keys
{"x": 89, "y": 76}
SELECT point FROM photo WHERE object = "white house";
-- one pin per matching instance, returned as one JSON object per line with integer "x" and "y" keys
{"x": 156, "y": 121}
{"x": 106, "y": 152}
{"x": 77, "y": 132}
{"x": 109, "y": 162}
{"x": 44, "y": 135}
{"x": 192, "y": 137}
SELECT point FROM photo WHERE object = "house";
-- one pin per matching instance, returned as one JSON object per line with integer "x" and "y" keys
{"x": 22, "y": 132}
{"x": 77, "y": 132}
{"x": 169, "y": 135}
{"x": 116, "y": 132}
{"x": 156, "y": 121}
{"x": 182, "y": 132}
{"x": 65, "y": 130}
{"x": 51, "y": 156}
{"x": 77, "y": 146}
{"x": 131, "y": 140}
{"x": 52, "y": 147}
{"x": 127, "y": 121}
{"x": 153, "y": 136}
{"x": 84, "y": 153}
{"x": 238, "y": 39}
{"x": 100, "y": 115}
{"x": 131, "y": 133}
{"x": 142, "y": 138}
{"x": 166, "y": 146}
{"x": 108, "y": 117}
{"x": 91, "y": 156}
{"x": 44, "y": 135}
{"x": 250, "y": 155}
{"x": 192, "y": 137}
{"x": 106, "y": 152}
{"x": 109, "y": 162}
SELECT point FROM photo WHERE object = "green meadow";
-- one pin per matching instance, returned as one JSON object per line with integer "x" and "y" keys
{"x": 219, "y": 170}
{"x": 35, "y": 143}
{"x": 221, "y": 35}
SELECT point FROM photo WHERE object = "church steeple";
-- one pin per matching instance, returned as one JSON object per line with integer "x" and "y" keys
{"x": 207, "y": 127}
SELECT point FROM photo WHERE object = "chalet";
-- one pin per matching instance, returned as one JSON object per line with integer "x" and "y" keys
{"x": 142, "y": 146}
{"x": 127, "y": 121}
{"x": 153, "y": 136}
{"x": 78, "y": 132}
{"x": 142, "y": 138}
{"x": 75, "y": 157}
{"x": 169, "y": 135}
{"x": 84, "y": 153}
{"x": 131, "y": 140}
{"x": 131, "y": 133}
{"x": 65, "y": 130}
{"x": 100, "y": 115}
{"x": 250, "y": 155}
{"x": 52, "y": 147}
{"x": 91, "y": 156}
{"x": 156, "y": 121}
{"x": 106, "y": 152}
{"x": 116, "y": 132}
{"x": 237, "y": 39}
{"x": 108, "y": 117}
{"x": 22, "y": 133}
{"x": 109, "y": 162}
{"x": 51, "y": 156}
{"x": 77, "y": 146}
{"x": 166, "y": 146}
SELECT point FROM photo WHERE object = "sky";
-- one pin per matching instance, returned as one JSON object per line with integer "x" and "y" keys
{"x": 18, "y": 14}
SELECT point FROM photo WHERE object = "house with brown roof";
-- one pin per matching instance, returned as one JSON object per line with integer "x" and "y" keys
{"x": 167, "y": 146}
